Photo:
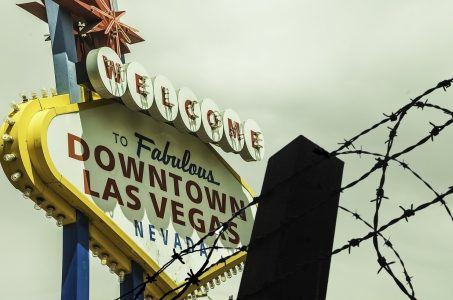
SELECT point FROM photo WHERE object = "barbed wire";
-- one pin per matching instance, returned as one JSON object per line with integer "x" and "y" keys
{"x": 376, "y": 234}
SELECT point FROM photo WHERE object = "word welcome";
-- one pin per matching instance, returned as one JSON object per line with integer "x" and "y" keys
{"x": 132, "y": 83}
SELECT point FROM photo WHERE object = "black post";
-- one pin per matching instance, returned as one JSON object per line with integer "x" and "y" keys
{"x": 289, "y": 253}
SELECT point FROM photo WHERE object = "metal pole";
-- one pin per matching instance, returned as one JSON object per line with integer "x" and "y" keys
{"x": 76, "y": 265}
{"x": 63, "y": 50}
{"x": 132, "y": 280}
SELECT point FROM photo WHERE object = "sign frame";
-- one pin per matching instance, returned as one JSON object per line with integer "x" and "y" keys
{"x": 27, "y": 126}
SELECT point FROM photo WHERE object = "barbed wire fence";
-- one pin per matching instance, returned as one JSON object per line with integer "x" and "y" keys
{"x": 381, "y": 166}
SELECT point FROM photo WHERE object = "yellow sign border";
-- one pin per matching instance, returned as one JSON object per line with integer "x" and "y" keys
{"x": 29, "y": 144}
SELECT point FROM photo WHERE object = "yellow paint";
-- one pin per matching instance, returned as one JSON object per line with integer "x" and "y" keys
{"x": 34, "y": 162}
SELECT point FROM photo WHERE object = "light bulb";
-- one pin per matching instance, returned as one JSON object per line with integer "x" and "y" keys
{"x": 60, "y": 220}
{"x": 15, "y": 106}
{"x": 194, "y": 296}
{"x": 44, "y": 93}
{"x": 223, "y": 277}
{"x": 49, "y": 211}
{"x": 38, "y": 203}
{"x": 16, "y": 176}
{"x": 23, "y": 96}
{"x": 121, "y": 275}
{"x": 96, "y": 250}
{"x": 239, "y": 267}
{"x": 228, "y": 274}
{"x": 211, "y": 284}
{"x": 234, "y": 270}
{"x": 217, "y": 281}
{"x": 113, "y": 266}
{"x": 104, "y": 258}
{"x": 53, "y": 92}
{"x": 27, "y": 192}
{"x": 10, "y": 121}
{"x": 206, "y": 288}
{"x": 34, "y": 95}
{"x": 9, "y": 157}
{"x": 7, "y": 138}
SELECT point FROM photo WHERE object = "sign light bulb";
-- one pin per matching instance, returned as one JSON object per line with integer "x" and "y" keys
{"x": 9, "y": 157}
{"x": 7, "y": 138}
{"x": 53, "y": 92}
{"x": 27, "y": 192}
{"x": 49, "y": 211}
{"x": 121, "y": 275}
{"x": 104, "y": 258}
{"x": 96, "y": 249}
{"x": 15, "y": 106}
{"x": 38, "y": 203}
{"x": 16, "y": 176}
{"x": 10, "y": 121}
{"x": 223, "y": 277}
{"x": 60, "y": 220}
{"x": 44, "y": 93}
{"x": 211, "y": 285}
{"x": 239, "y": 267}
{"x": 24, "y": 97}
{"x": 113, "y": 266}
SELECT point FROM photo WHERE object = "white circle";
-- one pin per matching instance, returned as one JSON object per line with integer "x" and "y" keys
{"x": 233, "y": 133}
{"x": 165, "y": 108}
{"x": 254, "y": 141}
{"x": 189, "y": 117}
{"x": 139, "y": 93}
{"x": 210, "y": 132}
{"x": 106, "y": 72}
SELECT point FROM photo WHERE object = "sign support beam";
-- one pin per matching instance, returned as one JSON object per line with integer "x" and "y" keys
{"x": 63, "y": 50}
{"x": 132, "y": 280}
{"x": 76, "y": 265}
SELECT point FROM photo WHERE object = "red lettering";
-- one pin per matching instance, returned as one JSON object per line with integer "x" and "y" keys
{"x": 87, "y": 186}
{"x": 235, "y": 208}
{"x": 232, "y": 230}
{"x": 111, "y": 159}
{"x": 160, "y": 212}
{"x": 175, "y": 206}
{"x": 176, "y": 180}
{"x": 131, "y": 166}
{"x": 198, "y": 224}
{"x": 140, "y": 85}
{"x": 112, "y": 69}
{"x": 162, "y": 180}
{"x": 234, "y": 129}
{"x": 195, "y": 199}
{"x": 111, "y": 190}
{"x": 215, "y": 223}
{"x": 71, "y": 148}
{"x": 130, "y": 190}
{"x": 214, "y": 198}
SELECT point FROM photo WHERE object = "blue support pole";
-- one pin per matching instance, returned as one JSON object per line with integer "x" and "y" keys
{"x": 63, "y": 50}
{"x": 132, "y": 280}
{"x": 76, "y": 266}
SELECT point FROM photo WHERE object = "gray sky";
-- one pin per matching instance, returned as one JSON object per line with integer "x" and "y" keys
{"x": 323, "y": 69}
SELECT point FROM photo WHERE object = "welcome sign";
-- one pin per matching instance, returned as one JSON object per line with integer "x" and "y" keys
{"x": 147, "y": 188}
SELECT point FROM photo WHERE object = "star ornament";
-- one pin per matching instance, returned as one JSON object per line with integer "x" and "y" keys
{"x": 109, "y": 28}
{"x": 96, "y": 24}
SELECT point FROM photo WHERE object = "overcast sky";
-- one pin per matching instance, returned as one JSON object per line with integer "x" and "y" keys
{"x": 322, "y": 69}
